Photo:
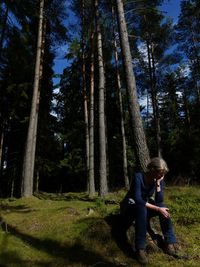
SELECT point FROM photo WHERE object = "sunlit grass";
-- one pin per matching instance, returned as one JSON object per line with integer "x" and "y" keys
{"x": 74, "y": 230}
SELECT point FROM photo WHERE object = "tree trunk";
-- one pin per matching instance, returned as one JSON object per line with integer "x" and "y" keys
{"x": 142, "y": 151}
{"x": 187, "y": 114}
{"x": 38, "y": 99}
{"x": 1, "y": 149}
{"x": 36, "y": 181}
{"x": 102, "y": 128}
{"x": 29, "y": 156}
{"x": 157, "y": 113}
{"x": 153, "y": 92}
{"x": 85, "y": 90}
{"x": 91, "y": 125}
{"x": 125, "y": 168}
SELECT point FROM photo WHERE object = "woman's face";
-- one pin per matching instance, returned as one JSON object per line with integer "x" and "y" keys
{"x": 159, "y": 174}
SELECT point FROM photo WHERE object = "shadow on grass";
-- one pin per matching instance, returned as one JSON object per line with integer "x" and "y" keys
{"x": 64, "y": 196}
{"x": 72, "y": 197}
{"x": 73, "y": 255}
{"x": 118, "y": 231}
{"x": 19, "y": 208}
{"x": 11, "y": 258}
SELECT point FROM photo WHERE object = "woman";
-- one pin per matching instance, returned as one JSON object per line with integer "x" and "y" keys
{"x": 139, "y": 205}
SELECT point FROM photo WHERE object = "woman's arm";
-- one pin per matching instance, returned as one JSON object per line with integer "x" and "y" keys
{"x": 164, "y": 211}
{"x": 159, "y": 199}
{"x": 137, "y": 189}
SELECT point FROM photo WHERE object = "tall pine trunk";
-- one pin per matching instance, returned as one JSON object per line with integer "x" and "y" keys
{"x": 187, "y": 113}
{"x": 1, "y": 148}
{"x": 91, "y": 183}
{"x": 119, "y": 87}
{"x": 156, "y": 112}
{"x": 138, "y": 130}
{"x": 102, "y": 127}
{"x": 29, "y": 156}
{"x": 85, "y": 89}
{"x": 153, "y": 93}
{"x": 36, "y": 179}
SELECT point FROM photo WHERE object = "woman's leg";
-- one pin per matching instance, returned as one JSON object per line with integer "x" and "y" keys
{"x": 167, "y": 228}
{"x": 140, "y": 226}
{"x": 150, "y": 214}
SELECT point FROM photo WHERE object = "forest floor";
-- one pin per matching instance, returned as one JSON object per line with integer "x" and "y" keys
{"x": 75, "y": 231}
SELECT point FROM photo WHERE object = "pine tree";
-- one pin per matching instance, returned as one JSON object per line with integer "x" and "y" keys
{"x": 187, "y": 31}
{"x": 102, "y": 127}
{"x": 91, "y": 122}
{"x": 87, "y": 141}
{"x": 29, "y": 156}
{"x": 119, "y": 89}
{"x": 139, "y": 134}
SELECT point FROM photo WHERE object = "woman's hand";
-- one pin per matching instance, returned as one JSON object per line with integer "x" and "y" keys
{"x": 160, "y": 179}
{"x": 164, "y": 211}
{"x": 157, "y": 183}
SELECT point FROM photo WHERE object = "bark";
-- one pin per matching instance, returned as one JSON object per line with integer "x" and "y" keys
{"x": 102, "y": 128}
{"x": 1, "y": 149}
{"x": 91, "y": 124}
{"x": 36, "y": 182}
{"x": 38, "y": 100}
{"x": 85, "y": 90}
{"x": 142, "y": 151}
{"x": 187, "y": 114}
{"x": 153, "y": 92}
{"x": 125, "y": 168}
{"x": 29, "y": 155}
{"x": 12, "y": 187}
{"x": 157, "y": 113}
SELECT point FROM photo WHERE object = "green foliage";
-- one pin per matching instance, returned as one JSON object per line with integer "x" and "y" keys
{"x": 101, "y": 207}
{"x": 184, "y": 205}
{"x": 16, "y": 85}
{"x": 73, "y": 161}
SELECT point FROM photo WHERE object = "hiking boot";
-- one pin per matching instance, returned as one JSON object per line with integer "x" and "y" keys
{"x": 141, "y": 256}
{"x": 175, "y": 251}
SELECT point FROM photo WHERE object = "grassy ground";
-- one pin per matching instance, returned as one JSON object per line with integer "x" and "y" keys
{"x": 73, "y": 230}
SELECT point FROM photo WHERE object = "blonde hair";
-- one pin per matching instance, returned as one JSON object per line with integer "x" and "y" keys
{"x": 157, "y": 164}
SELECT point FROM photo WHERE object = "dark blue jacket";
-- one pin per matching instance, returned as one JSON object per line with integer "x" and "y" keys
{"x": 140, "y": 193}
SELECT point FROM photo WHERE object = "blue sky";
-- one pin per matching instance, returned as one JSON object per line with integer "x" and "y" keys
{"x": 171, "y": 7}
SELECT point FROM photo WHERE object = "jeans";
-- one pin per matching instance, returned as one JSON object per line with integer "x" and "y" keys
{"x": 142, "y": 215}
